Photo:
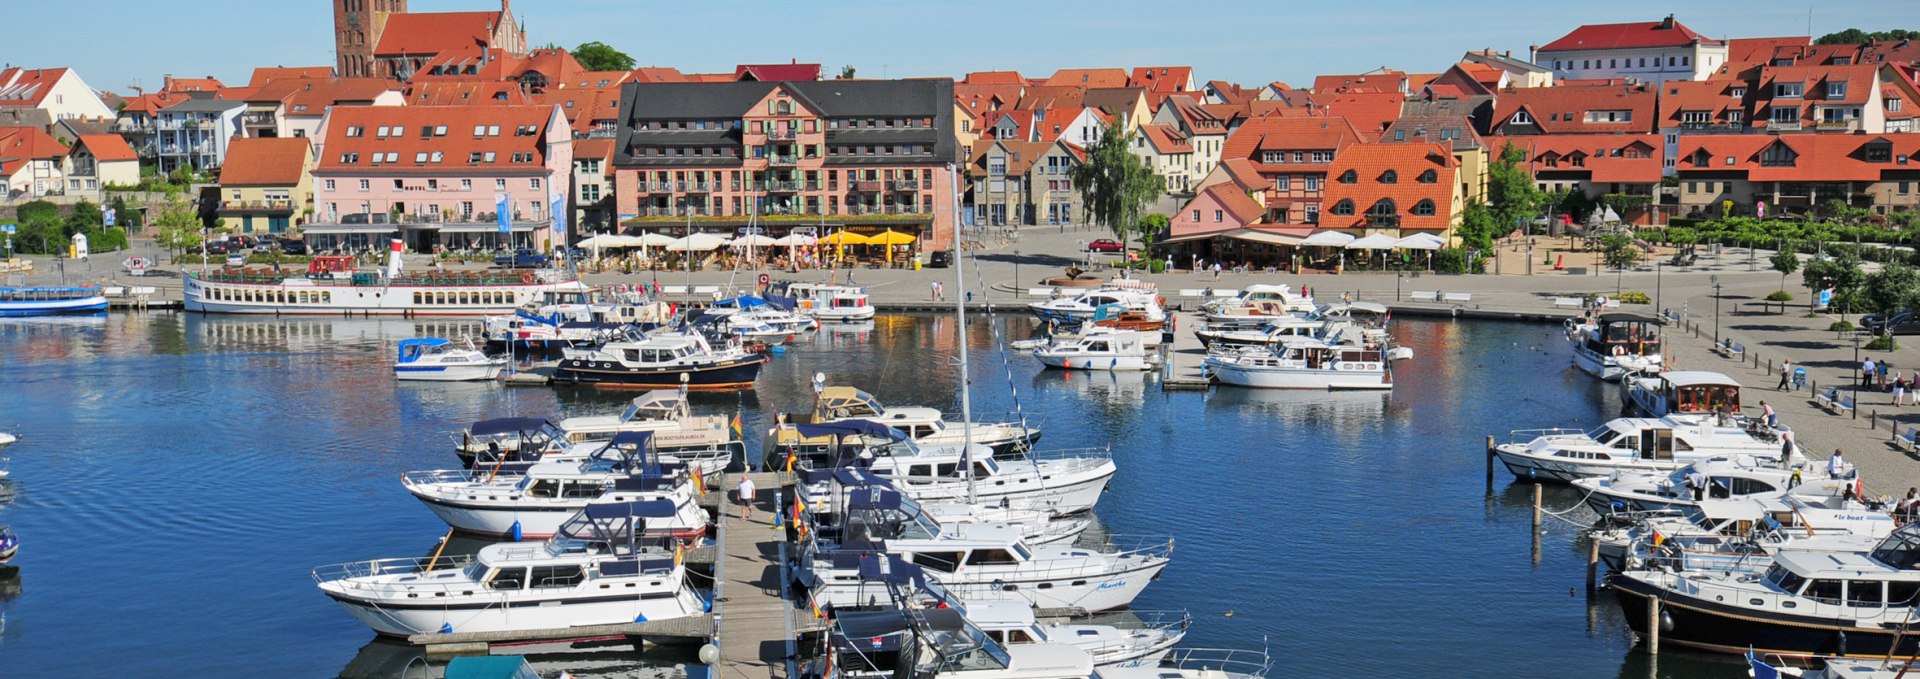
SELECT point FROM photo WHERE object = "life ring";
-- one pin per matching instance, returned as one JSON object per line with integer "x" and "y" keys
{"x": 1619, "y": 351}
{"x": 526, "y": 277}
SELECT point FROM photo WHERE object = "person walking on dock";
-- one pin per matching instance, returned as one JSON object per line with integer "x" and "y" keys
{"x": 745, "y": 490}
{"x": 1786, "y": 372}
{"x": 1766, "y": 412}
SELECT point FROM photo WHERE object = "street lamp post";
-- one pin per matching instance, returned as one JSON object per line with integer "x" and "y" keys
{"x": 1658, "y": 267}
{"x": 1715, "y": 280}
{"x": 1857, "y": 339}
{"x": 1016, "y": 268}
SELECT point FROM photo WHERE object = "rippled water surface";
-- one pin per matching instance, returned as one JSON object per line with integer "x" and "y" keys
{"x": 181, "y": 475}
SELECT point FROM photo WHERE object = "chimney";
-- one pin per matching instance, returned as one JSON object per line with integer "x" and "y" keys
{"x": 1667, "y": 23}
{"x": 1533, "y": 54}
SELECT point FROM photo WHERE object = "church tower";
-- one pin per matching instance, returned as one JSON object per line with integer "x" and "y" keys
{"x": 356, "y": 30}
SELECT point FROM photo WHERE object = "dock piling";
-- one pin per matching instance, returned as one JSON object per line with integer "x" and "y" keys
{"x": 1593, "y": 561}
{"x": 1489, "y": 462}
{"x": 1538, "y": 491}
{"x": 1653, "y": 625}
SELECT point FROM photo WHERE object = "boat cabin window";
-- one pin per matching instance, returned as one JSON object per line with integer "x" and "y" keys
{"x": 507, "y": 579}
{"x": 1901, "y": 593}
{"x": 473, "y": 572}
{"x": 981, "y": 470}
{"x": 1824, "y": 591}
{"x": 1899, "y": 550}
{"x": 944, "y": 562}
{"x": 1018, "y": 636}
{"x": 990, "y": 556}
{"x": 632, "y": 355}
{"x": 1607, "y": 438}
{"x": 1097, "y": 345}
{"x": 1788, "y": 581}
{"x": 920, "y": 470}
{"x": 544, "y": 488}
{"x": 1863, "y": 593}
{"x": 1739, "y": 486}
{"x": 582, "y": 489}
{"x": 556, "y": 576}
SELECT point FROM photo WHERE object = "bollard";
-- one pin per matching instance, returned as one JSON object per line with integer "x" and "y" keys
{"x": 1489, "y": 462}
{"x": 1593, "y": 561}
{"x": 1538, "y": 490}
{"x": 1653, "y": 625}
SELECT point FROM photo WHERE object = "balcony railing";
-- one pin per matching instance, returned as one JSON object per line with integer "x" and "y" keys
{"x": 779, "y": 134}
{"x": 1383, "y": 221}
{"x": 867, "y": 187}
{"x": 133, "y": 127}
{"x": 1784, "y": 125}
{"x": 904, "y": 185}
{"x": 782, "y": 186}
{"x": 256, "y": 205}
{"x": 259, "y": 118}
{"x": 696, "y": 187}
{"x": 783, "y": 160}
{"x": 859, "y": 209}
{"x": 1834, "y": 125}
{"x": 1710, "y": 127}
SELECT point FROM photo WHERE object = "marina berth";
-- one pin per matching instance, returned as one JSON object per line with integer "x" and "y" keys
{"x": 1133, "y": 639}
{"x": 603, "y": 566}
{"x": 1735, "y": 533}
{"x": 1683, "y": 393}
{"x": 332, "y": 285}
{"x": 1720, "y": 478}
{"x": 879, "y": 502}
{"x": 435, "y": 359}
{"x": 1807, "y": 603}
{"x": 1257, "y": 305}
{"x": 753, "y": 309}
{"x": 830, "y": 302}
{"x": 1323, "y": 322}
{"x": 661, "y": 360}
{"x": 1635, "y": 444}
{"x": 549, "y": 327}
{"x": 533, "y": 504}
{"x": 20, "y": 302}
{"x": 1610, "y": 345}
{"x": 925, "y": 426}
{"x": 1059, "y": 482}
{"x": 706, "y": 442}
{"x": 936, "y": 643}
{"x": 1097, "y": 349}
{"x": 1304, "y": 363}
{"x": 1121, "y": 295}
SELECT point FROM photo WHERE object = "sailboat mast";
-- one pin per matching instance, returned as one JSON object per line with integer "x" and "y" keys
{"x": 960, "y": 331}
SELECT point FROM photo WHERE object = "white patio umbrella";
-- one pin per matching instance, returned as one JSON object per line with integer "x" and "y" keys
{"x": 654, "y": 240}
{"x": 793, "y": 239}
{"x": 1378, "y": 241}
{"x": 1327, "y": 239}
{"x": 752, "y": 240}
{"x": 699, "y": 242}
{"x": 1420, "y": 241}
{"x": 604, "y": 240}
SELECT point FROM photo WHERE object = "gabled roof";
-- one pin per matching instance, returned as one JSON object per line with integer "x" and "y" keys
{"x": 1161, "y": 79}
{"x": 425, "y": 33}
{"x": 1022, "y": 121}
{"x": 1050, "y": 96}
{"x": 993, "y": 78}
{"x": 1563, "y": 109}
{"x": 1625, "y": 158}
{"x": 1165, "y": 139}
{"x": 463, "y": 93}
{"x": 1761, "y": 49}
{"x": 265, "y": 73}
{"x": 1088, "y": 78}
{"x": 1113, "y": 99}
{"x": 312, "y": 96}
{"x": 1369, "y": 112}
{"x": 29, "y": 143}
{"x": 1377, "y": 80}
{"x": 267, "y": 161}
{"x": 17, "y": 116}
{"x": 1243, "y": 173}
{"x": 978, "y": 98}
{"x": 28, "y": 86}
{"x": 1275, "y": 133}
{"x": 106, "y": 148}
{"x": 1503, "y": 61}
{"x": 1713, "y": 97}
{"x": 658, "y": 74}
{"x": 583, "y": 107}
{"x": 1667, "y": 33}
{"x": 456, "y": 145}
{"x": 207, "y": 84}
{"x": 1816, "y": 157}
{"x": 777, "y": 72}
{"x": 1020, "y": 154}
{"x": 152, "y": 102}
{"x": 1370, "y": 164}
{"x": 599, "y": 147}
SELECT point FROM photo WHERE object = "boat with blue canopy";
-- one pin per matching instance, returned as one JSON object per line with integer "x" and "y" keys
{"x": 435, "y": 359}
{"x": 19, "y": 302}
{"x": 489, "y": 501}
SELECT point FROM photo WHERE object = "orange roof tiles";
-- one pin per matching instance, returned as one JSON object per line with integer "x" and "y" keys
{"x": 107, "y": 147}
{"x": 1088, "y": 78}
{"x": 1052, "y": 96}
{"x": 151, "y": 103}
{"x": 993, "y": 78}
{"x": 1275, "y": 133}
{"x": 1243, "y": 173}
{"x": 1165, "y": 139}
{"x": 207, "y": 84}
{"x": 980, "y": 98}
{"x": 1378, "y": 80}
{"x": 312, "y": 96}
{"x": 459, "y": 93}
{"x": 1761, "y": 49}
{"x": 265, "y": 73}
{"x": 1624, "y": 158}
{"x": 1628, "y": 36}
{"x": 29, "y": 143}
{"x": 265, "y": 161}
{"x": 1815, "y": 157}
{"x": 598, "y": 147}
{"x": 1557, "y": 110}
{"x": 658, "y": 74}
{"x": 436, "y": 33}
{"x": 1372, "y": 183}
{"x": 1370, "y": 112}
{"x": 27, "y": 86}
{"x": 1160, "y": 79}
{"x": 501, "y": 137}
{"x": 1712, "y": 97}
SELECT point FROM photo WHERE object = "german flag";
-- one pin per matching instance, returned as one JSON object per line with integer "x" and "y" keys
{"x": 738, "y": 431}
{"x": 699, "y": 481}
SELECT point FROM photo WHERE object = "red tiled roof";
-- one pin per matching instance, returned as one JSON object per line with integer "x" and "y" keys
{"x": 455, "y": 146}
{"x": 993, "y": 78}
{"x": 1051, "y": 96}
{"x": 436, "y": 33}
{"x": 658, "y": 74}
{"x": 1020, "y": 154}
{"x": 1165, "y": 139}
{"x": 1243, "y": 173}
{"x": 1275, "y": 133}
{"x": 1817, "y": 157}
{"x": 207, "y": 84}
{"x": 1161, "y": 79}
{"x": 1761, "y": 49}
{"x": 1890, "y": 52}
{"x": 1713, "y": 97}
{"x": 1370, "y": 112}
{"x": 777, "y": 72}
{"x": 583, "y": 107}
{"x": 1557, "y": 110}
{"x": 265, "y": 73}
{"x": 1088, "y": 78}
{"x": 1379, "y": 80}
{"x": 264, "y": 161}
{"x": 312, "y": 96}
{"x": 1627, "y": 36}
{"x": 464, "y": 93}
{"x": 599, "y": 147}
{"x": 1370, "y": 164}
{"x": 1021, "y": 119}
{"x": 1624, "y": 158}
{"x": 107, "y": 147}
{"x": 152, "y": 102}
{"x": 27, "y": 86}
{"x": 979, "y": 98}
{"x": 29, "y": 143}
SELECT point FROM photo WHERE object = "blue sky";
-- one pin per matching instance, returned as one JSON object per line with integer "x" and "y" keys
{"x": 1246, "y": 41}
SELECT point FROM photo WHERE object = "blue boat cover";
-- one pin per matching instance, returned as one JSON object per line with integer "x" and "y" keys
{"x": 644, "y": 483}
{"x": 424, "y": 342}
{"x": 849, "y": 428}
{"x": 896, "y": 571}
{"x": 782, "y": 303}
{"x": 631, "y": 438}
{"x": 744, "y": 302}
{"x": 537, "y": 318}
{"x": 489, "y": 667}
{"x": 874, "y": 497}
{"x": 642, "y": 508}
{"x": 505, "y": 425}
{"x": 859, "y": 478}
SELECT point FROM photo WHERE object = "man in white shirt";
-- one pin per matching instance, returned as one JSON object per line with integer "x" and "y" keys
{"x": 745, "y": 491}
{"x": 1836, "y": 465}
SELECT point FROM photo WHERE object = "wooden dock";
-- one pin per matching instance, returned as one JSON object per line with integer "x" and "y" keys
{"x": 754, "y": 623}
{"x": 1183, "y": 367}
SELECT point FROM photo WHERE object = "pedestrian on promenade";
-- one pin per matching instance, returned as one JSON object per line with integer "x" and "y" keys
{"x": 1880, "y": 371}
{"x": 1786, "y": 372}
{"x": 933, "y": 291}
{"x": 1216, "y": 271}
{"x": 1866, "y": 372}
{"x": 1899, "y": 389}
{"x": 745, "y": 491}
{"x": 1766, "y": 413}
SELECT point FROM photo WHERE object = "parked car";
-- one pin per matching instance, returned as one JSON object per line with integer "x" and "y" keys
{"x": 216, "y": 247}
{"x": 266, "y": 245}
{"x": 236, "y": 259}
{"x": 1105, "y": 245}
{"x": 1903, "y": 323}
{"x": 241, "y": 242}
{"x": 293, "y": 246}
{"x": 940, "y": 259}
{"x": 523, "y": 258}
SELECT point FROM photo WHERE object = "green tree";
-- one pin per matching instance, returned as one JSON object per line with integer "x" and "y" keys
{"x": 1855, "y": 36}
{"x": 1892, "y": 289}
{"x": 1511, "y": 193}
{"x": 1619, "y": 251}
{"x": 178, "y": 227}
{"x": 1151, "y": 228}
{"x": 599, "y": 56}
{"x": 846, "y": 72}
{"x": 125, "y": 216}
{"x": 1115, "y": 185}
{"x": 40, "y": 233}
{"x": 84, "y": 217}
{"x": 1478, "y": 226}
{"x": 1786, "y": 261}
{"x": 1841, "y": 273}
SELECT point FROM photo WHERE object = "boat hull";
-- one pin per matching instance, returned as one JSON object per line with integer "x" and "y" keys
{"x": 1092, "y": 362}
{"x": 448, "y": 373}
{"x": 1712, "y": 626}
{"x": 1091, "y": 592}
{"x": 732, "y": 374}
{"x": 1257, "y": 378}
{"x": 402, "y": 618}
{"x": 223, "y": 297}
{"x": 53, "y": 307}
{"x": 541, "y": 521}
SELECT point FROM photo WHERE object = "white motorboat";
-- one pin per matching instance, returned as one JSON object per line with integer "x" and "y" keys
{"x": 1696, "y": 393}
{"x": 1097, "y": 349}
{"x": 1614, "y": 344}
{"x": 549, "y": 327}
{"x": 1059, "y": 482}
{"x": 597, "y": 570}
{"x": 332, "y": 286}
{"x": 935, "y": 643}
{"x": 434, "y": 359}
{"x": 880, "y": 511}
{"x": 1634, "y": 444}
{"x": 7, "y": 439}
{"x": 1370, "y": 320}
{"x": 1131, "y": 639}
{"x": 1199, "y": 663}
{"x": 661, "y": 360}
{"x": 1119, "y": 295}
{"x": 1726, "y": 477}
{"x": 985, "y": 562}
{"x": 1258, "y": 304}
{"x": 1304, "y": 363}
{"x": 831, "y": 302}
{"x": 1728, "y": 533}
{"x": 925, "y": 426}
{"x": 535, "y": 503}
{"x": 753, "y": 309}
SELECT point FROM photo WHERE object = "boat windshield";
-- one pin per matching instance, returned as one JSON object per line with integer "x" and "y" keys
{"x": 473, "y": 571}
{"x": 1604, "y": 435}
{"x": 1899, "y": 550}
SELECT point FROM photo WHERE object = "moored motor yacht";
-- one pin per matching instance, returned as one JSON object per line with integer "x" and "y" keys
{"x": 434, "y": 359}
{"x": 1634, "y": 444}
{"x": 661, "y": 361}
{"x": 1059, "y": 482}
{"x": 881, "y": 511}
{"x": 1724, "y": 534}
{"x": 1129, "y": 639}
{"x": 1303, "y": 363}
{"x": 600, "y": 569}
{"x": 831, "y": 302}
{"x": 1616, "y": 343}
{"x": 926, "y": 426}
{"x": 1725, "y": 477}
{"x": 706, "y": 442}
{"x": 1695, "y": 393}
{"x": 1366, "y": 321}
{"x": 1097, "y": 349}
{"x": 535, "y": 503}
{"x": 1118, "y": 295}
{"x": 549, "y": 327}
{"x": 753, "y": 309}
{"x": 902, "y": 642}
{"x": 1257, "y": 305}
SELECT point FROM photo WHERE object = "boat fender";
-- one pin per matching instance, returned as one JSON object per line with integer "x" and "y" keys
{"x": 1619, "y": 351}
{"x": 1666, "y": 625}
{"x": 526, "y": 277}
{"x": 446, "y": 628}
{"x": 516, "y": 531}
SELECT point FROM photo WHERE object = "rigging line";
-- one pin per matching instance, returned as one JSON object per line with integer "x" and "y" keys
{"x": 1006, "y": 360}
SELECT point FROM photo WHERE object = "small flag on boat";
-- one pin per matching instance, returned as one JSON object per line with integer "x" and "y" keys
{"x": 699, "y": 481}
{"x": 1759, "y": 669}
{"x": 738, "y": 431}
{"x": 815, "y": 603}
{"x": 679, "y": 552}
{"x": 1658, "y": 538}
{"x": 791, "y": 454}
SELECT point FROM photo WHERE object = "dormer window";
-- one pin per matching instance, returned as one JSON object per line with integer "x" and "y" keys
{"x": 1344, "y": 207}
{"x": 1429, "y": 177}
{"x": 1349, "y": 177}
{"x": 1521, "y": 118}
{"x": 1389, "y": 177}
{"x": 1837, "y": 90}
{"x": 1788, "y": 90}
{"x": 1878, "y": 152}
{"x": 1778, "y": 155}
{"x": 1424, "y": 208}
{"x": 1737, "y": 92}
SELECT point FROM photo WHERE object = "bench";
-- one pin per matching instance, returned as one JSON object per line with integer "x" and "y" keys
{"x": 1843, "y": 406}
{"x": 712, "y": 291}
{"x": 113, "y": 291}
{"x": 1040, "y": 292}
{"x": 1425, "y": 296}
{"x": 1457, "y": 297}
{"x": 1909, "y": 440}
{"x": 1825, "y": 399}
{"x": 673, "y": 289}
{"x": 1568, "y": 301}
{"x": 1733, "y": 350}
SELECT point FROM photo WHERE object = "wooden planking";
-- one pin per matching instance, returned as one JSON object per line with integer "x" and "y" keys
{"x": 754, "y": 620}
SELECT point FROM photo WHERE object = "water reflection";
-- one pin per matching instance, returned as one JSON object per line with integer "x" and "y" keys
{"x": 388, "y": 659}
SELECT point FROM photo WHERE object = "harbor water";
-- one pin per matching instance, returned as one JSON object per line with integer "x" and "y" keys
{"x": 181, "y": 475}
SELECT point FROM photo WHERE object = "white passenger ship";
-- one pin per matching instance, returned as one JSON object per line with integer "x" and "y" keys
{"x": 331, "y": 285}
